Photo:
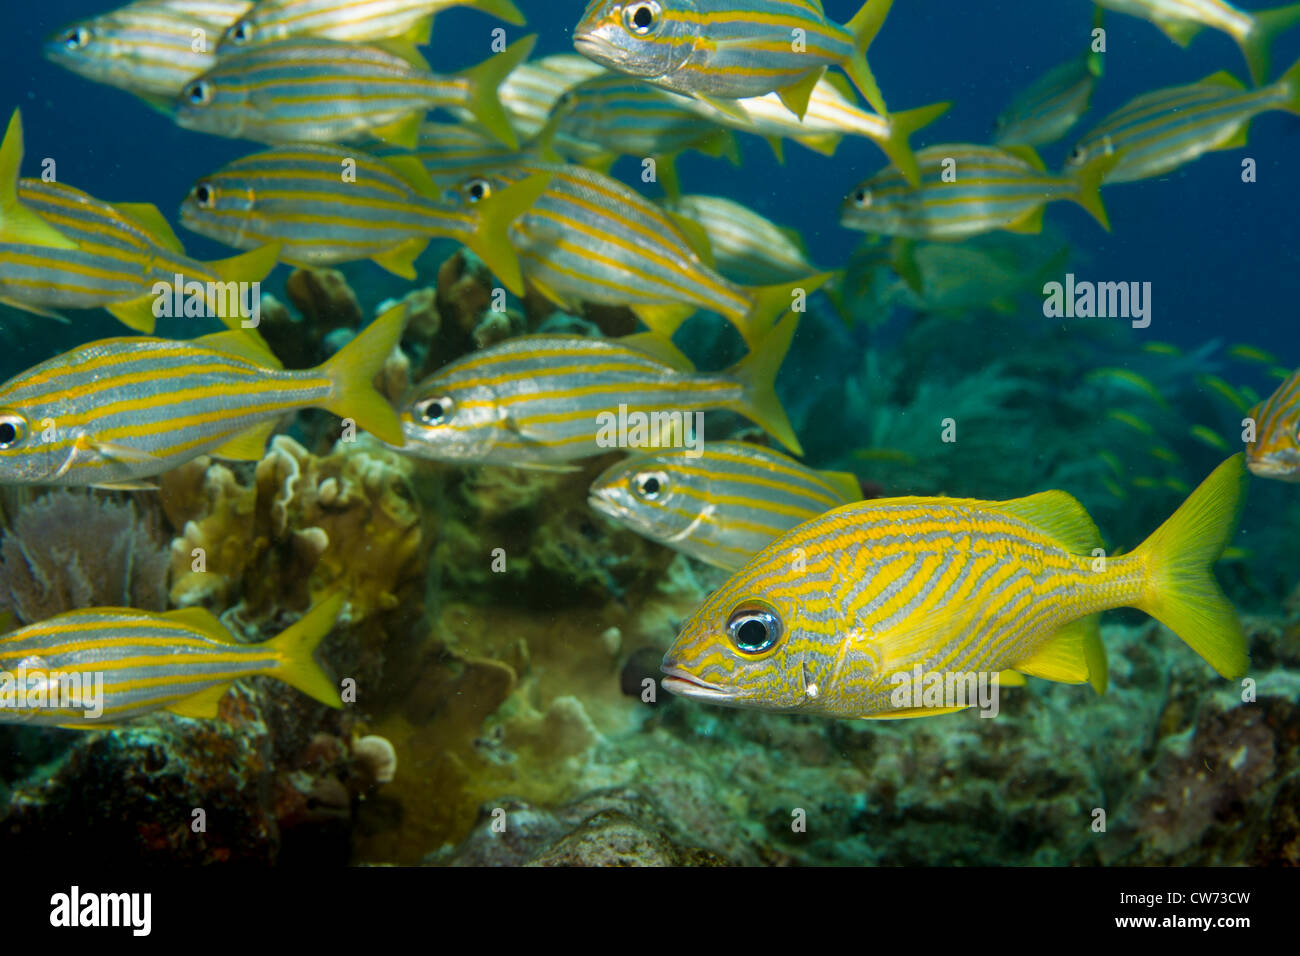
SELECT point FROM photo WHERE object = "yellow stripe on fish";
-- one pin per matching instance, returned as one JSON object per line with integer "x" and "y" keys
{"x": 117, "y": 411}
{"x": 134, "y": 663}
{"x": 720, "y": 503}
{"x": 1275, "y": 452}
{"x": 542, "y": 400}
{"x": 826, "y": 618}
{"x": 727, "y": 50}
{"x": 351, "y": 21}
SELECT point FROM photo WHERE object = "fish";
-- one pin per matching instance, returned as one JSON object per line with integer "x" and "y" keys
{"x": 151, "y": 48}
{"x": 1163, "y": 130}
{"x": 1244, "y": 352}
{"x": 968, "y": 189}
{"x": 1049, "y": 107}
{"x": 1182, "y": 20}
{"x": 136, "y": 663}
{"x": 124, "y": 251}
{"x": 454, "y": 152}
{"x": 719, "y": 50}
{"x": 1211, "y": 438}
{"x": 610, "y": 116}
{"x": 589, "y": 238}
{"x": 826, "y": 619}
{"x": 540, "y": 401}
{"x": 351, "y": 21}
{"x": 115, "y": 412}
{"x": 833, "y": 112}
{"x": 1275, "y": 452}
{"x": 306, "y": 89}
{"x": 721, "y": 505}
{"x": 297, "y": 197}
{"x": 746, "y": 247}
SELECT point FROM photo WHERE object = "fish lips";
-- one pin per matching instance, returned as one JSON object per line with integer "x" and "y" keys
{"x": 677, "y": 681}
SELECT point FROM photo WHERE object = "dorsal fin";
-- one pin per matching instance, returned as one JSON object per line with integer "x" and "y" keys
{"x": 1058, "y": 514}
{"x": 147, "y": 217}
{"x": 240, "y": 344}
{"x": 201, "y": 619}
{"x": 845, "y": 483}
{"x": 656, "y": 346}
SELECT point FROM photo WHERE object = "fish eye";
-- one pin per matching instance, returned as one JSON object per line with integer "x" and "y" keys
{"x": 76, "y": 38}
{"x": 476, "y": 190}
{"x": 205, "y": 195}
{"x": 642, "y": 19}
{"x": 435, "y": 411}
{"x": 862, "y": 198}
{"x": 241, "y": 32}
{"x": 1077, "y": 155}
{"x": 650, "y": 485}
{"x": 754, "y": 630}
{"x": 13, "y": 431}
{"x": 199, "y": 93}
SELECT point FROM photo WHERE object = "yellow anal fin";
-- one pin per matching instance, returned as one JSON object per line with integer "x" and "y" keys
{"x": 1029, "y": 224}
{"x": 796, "y": 95}
{"x": 664, "y": 319}
{"x": 136, "y": 314}
{"x": 400, "y": 260}
{"x": 1181, "y": 32}
{"x": 248, "y": 445}
{"x": 201, "y": 706}
{"x": 1011, "y": 679}
{"x": 404, "y": 132}
{"x": 34, "y": 310}
{"x": 1064, "y": 656}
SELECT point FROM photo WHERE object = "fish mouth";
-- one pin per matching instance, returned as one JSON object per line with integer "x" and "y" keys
{"x": 594, "y": 47}
{"x": 1285, "y": 471}
{"x": 678, "y": 682}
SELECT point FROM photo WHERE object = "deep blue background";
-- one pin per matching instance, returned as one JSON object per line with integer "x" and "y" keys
{"x": 1220, "y": 254}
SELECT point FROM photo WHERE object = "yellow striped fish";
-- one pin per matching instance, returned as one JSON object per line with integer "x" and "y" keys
{"x": 1181, "y": 20}
{"x": 453, "y": 152}
{"x": 324, "y": 205}
{"x": 722, "y": 503}
{"x": 351, "y": 21}
{"x": 836, "y": 616}
{"x": 310, "y": 90}
{"x": 746, "y": 247}
{"x": 967, "y": 190}
{"x": 125, "y": 251}
{"x": 1160, "y": 131}
{"x": 1047, "y": 109}
{"x": 124, "y": 664}
{"x": 721, "y": 50}
{"x": 542, "y": 400}
{"x": 151, "y": 48}
{"x": 117, "y": 411}
{"x": 589, "y": 238}
{"x": 1275, "y": 453}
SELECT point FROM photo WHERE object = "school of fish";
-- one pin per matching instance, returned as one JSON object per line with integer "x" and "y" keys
{"x": 830, "y": 595}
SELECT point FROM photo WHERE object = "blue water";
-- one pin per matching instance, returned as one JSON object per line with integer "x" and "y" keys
{"x": 1220, "y": 254}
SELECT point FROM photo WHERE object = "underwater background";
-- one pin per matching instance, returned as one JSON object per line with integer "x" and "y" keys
{"x": 519, "y": 692}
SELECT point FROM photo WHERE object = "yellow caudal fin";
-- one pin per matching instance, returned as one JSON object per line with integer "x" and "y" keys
{"x": 491, "y": 238}
{"x": 769, "y": 302}
{"x": 295, "y": 648}
{"x": 1181, "y": 591}
{"x": 482, "y": 82}
{"x": 353, "y": 371}
{"x": 1256, "y": 42}
{"x": 901, "y": 127}
{"x": 1290, "y": 83}
{"x": 757, "y": 373}
{"x": 1089, "y": 178}
{"x": 18, "y": 223}
{"x": 501, "y": 9}
{"x": 864, "y": 28}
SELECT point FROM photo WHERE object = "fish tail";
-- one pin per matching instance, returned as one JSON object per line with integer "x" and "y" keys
{"x": 1290, "y": 83}
{"x": 864, "y": 27}
{"x": 17, "y": 222}
{"x": 1089, "y": 178}
{"x": 901, "y": 127}
{"x": 353, "y": 371}
{"x": 484, "y": 80}
{"x": 501, "y": 9}
{"x": 296, "y": 647}
{"x": 770, "y": 302}
{"x": 1181, "y": 591}
{"x": 1257, "y": 41}
{"x": 757, "y": 373}
{"x": 490, "y": 240}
